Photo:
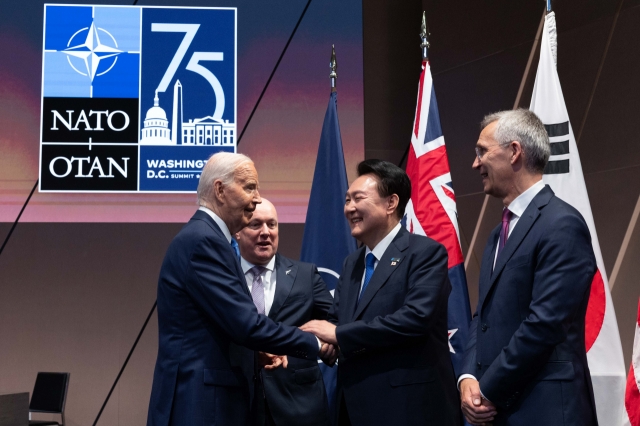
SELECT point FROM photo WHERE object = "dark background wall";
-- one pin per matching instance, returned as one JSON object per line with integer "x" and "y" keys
{"x": 74, "y": 296}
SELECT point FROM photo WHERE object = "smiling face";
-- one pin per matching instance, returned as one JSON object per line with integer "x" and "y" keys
{"x": 494, "y": 164}
{"x": 371, "y": 217}
{"x": 258, "y": 241}
{"x": 238, "y": 199}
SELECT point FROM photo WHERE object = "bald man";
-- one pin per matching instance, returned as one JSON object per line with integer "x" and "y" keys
{"x": 291, "y": 293}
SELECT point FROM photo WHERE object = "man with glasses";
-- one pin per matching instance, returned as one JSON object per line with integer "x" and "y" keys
{"x": 525, "y": 362}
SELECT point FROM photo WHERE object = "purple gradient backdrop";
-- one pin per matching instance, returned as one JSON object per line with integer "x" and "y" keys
{"x": 282, "y": 137}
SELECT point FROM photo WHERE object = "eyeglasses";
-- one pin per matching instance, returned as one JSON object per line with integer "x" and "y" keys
{"x": 481, "y": 151}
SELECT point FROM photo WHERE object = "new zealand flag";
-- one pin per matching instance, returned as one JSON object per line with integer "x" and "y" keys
{"x": 432, "y": 208}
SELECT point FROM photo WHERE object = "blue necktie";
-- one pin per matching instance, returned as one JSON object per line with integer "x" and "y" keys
{"x": 234, "y": 245}
{"x": 368, "y": 272}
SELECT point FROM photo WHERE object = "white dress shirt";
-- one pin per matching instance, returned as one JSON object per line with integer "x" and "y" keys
{"x": 268, "y": 279}
{"x": 517, "y": 208}
{"x": 218, "y": 221}
{"x": 379, "y": 250}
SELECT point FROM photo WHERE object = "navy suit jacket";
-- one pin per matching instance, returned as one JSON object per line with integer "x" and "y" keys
{"x": 394, "y": 366}
{"x": 296, "y": 394}
{"x": 203, "y": 306}
{"x": 526, "y": 342}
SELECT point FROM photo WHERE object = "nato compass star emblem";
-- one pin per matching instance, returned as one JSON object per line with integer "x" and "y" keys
{"x": 91, "y": 51}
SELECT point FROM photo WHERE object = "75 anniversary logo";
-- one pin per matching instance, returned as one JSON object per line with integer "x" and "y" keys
{"x": 135, "y": 99}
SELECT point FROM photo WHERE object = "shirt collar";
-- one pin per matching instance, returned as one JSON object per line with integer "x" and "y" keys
{"x": 522, "y": 201}
{"x": 246, "y": 265}
{"x": 382, "y": 246}
{"x": 218, "y": 221}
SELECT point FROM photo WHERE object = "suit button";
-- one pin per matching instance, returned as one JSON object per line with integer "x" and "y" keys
{"x": 479, "y": 366}
{"x": 254, "y": 378}
{"x": 484, "y": 327}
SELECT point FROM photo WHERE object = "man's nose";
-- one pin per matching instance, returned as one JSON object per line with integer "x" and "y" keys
{"x": 256, "y": 197}
{"x": 476, "y": 163}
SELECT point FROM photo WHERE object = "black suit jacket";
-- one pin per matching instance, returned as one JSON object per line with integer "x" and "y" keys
{"x": 203, "y": 306}
{"x": 394, "y": 367}
{"x": 526, "y": 341}
{"x": 296, "y": 395}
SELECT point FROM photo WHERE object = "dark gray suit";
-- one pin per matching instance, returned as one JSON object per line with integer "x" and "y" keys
{"x": 296, "y": 395}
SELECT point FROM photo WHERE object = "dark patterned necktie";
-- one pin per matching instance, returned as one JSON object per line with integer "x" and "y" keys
{"x": 504, "y": 231}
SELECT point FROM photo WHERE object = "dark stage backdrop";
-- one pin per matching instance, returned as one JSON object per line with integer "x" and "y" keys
{"x": 73, "y": 296}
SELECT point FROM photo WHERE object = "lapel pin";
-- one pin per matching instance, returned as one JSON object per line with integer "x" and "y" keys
{"x": 287, "y": 272}
{"x": 395, "y": 261}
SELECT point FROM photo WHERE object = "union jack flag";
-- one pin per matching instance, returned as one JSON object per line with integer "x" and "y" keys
{"x": 432, "y": 208}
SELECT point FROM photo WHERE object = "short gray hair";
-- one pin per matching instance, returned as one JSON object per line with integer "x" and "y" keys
{"x": 220, "y": 166}
{"x": 525, "y": 127}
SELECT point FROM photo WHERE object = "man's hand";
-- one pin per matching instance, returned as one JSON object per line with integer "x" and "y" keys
{"x": 324, "y": 330}
{"x": 477, "y": 410}
{"x": 271, "y": 362}
{"x": 328, "y": 354}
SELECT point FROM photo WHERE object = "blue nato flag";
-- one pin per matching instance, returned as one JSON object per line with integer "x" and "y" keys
{"x": 327, "y": 237}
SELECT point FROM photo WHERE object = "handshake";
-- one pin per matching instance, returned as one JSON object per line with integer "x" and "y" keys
{"x": 323, "y": 330}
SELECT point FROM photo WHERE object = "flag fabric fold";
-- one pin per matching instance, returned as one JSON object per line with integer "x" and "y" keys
{"x": 432, "y": 208}
{"x": 564, "y": 174}
{"x": 327, "y": 239}
{"x": 632, "y": 394}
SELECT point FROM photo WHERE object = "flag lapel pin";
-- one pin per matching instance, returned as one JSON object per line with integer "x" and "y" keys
{"x": 395, "y": 261}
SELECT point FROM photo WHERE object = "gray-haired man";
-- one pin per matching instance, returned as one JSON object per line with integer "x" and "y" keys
{"x": 525, "y": 363}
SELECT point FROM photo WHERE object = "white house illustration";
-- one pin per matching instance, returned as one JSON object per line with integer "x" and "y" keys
{"x": 199, "y": 131}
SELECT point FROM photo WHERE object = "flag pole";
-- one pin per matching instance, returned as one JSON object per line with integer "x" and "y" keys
{"x": 424, "y": 34}
{"x": 548, "y": 6}
{"x": 425, "y": 45}
{"x": 334, "y": 69}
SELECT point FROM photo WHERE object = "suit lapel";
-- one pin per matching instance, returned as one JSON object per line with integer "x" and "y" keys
{"x": 384, "y": 269}
{"x": 487, "y": 264}
{"x": 353, "y": 289}
{"x": 285, "y": 277}
{"x": 521, "y": 230}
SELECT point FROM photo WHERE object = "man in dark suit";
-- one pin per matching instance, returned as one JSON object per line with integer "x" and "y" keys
{"x": 391, "y": 324}
{"x": 292, "y": 293}
{"x": 204, "y": 306}
{"x": 525, "y": 362}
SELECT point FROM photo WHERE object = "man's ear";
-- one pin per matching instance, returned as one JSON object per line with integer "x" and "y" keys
{"x": 517, "y": 154}
{"x": 392, "y": 204}
{"x": 218, "y": 190}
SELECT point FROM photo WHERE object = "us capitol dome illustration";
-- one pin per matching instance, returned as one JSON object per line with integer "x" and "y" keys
{"x": 156, "y": 126}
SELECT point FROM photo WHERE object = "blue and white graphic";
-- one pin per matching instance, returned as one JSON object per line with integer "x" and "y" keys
{"x": 159, "y": 81}
{"x": 91, "y": 52}
{"x": 187, "y": 93}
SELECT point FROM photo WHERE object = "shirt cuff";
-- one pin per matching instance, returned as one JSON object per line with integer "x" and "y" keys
{"x": 319, "y": 343}
{"x": 470, "y": 376}
{"x": 465, "y": 376}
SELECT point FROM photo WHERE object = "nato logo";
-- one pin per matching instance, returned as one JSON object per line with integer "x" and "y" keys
{"x": 91, "y": 52}
{"x": 135, "y": 98}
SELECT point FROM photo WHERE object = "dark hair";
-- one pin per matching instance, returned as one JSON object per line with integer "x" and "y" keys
{"x": 391, "y": 180}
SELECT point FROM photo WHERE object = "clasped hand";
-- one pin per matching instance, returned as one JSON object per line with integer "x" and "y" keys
{"x": 476, "y": 409}
{"x": 326, "y": 332}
